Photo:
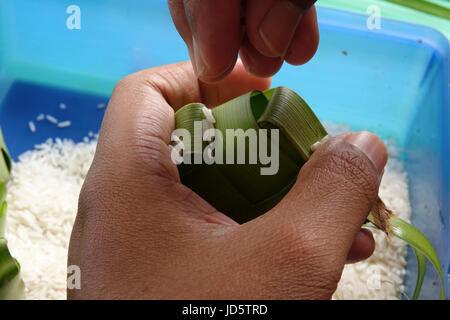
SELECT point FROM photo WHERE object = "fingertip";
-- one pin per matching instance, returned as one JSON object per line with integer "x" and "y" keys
{"x": 257, "y": 64}
{"x": 216, "y": 35}
{"x": 362, "y": 247}
{"x": 271, "y": 24}
{"x": 257, "y": 82}
{"x": 305, "y": 42}
{"x": 210, "y": 76}
{"x": 372, "y": 146}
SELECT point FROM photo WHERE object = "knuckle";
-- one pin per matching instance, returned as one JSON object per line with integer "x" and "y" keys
{"x": 155, "y": 154}
{"x": 352, "y": 169}
{"x": 125, "y": 82}
{"x": 137, "y": 83}
{"x": 300, "y": 246}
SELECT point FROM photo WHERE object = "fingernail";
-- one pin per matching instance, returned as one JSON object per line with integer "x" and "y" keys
{"x": 279, "y": 25}
{"x": 372, "y": 146}
{"x": 199, "y": 62}
{"x": 204, "y": 71}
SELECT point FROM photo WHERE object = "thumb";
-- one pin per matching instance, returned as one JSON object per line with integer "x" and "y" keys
{"x": 336, "y": 189}
{"x": 316, "y": 223}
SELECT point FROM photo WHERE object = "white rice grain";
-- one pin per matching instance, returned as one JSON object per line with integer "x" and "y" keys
{"x": 51, "y": 119}
{"x": 32, "y": 126}
{"x": 64, "y": 124}
{"x": 207, "y": 127}
{"x": 318, "y": 143}
{"x": 174, "y": 138}
{"x": 208, "y": 115}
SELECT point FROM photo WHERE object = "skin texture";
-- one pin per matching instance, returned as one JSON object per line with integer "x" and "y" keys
{"x": 264, "y": 32}
{"x": 141, "y": 234}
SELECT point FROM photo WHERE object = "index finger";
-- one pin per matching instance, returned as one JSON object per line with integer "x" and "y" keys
{"x": 212, "y": 32}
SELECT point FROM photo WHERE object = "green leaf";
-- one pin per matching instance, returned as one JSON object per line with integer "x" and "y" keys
{"x": 11, "y": 284}
{"x": 425, "y": 6}
{"x": 290, "y": 113}
{"x": 3, "y": 207}
{"x": 403, "y": 230}
{"x": 423, "y": 250}
{"x": 421, "y": 270}
{"x": 5, "y": 160}
{"x": 2, "y": 191}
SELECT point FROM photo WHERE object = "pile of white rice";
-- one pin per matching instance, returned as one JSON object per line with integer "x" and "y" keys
{"x": 381, "y": 276}
{"x": 42, "y": 203}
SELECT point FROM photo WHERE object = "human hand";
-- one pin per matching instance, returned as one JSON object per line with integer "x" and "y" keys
{"x": 265, "y": 33}
{"x": 140, "y": 233}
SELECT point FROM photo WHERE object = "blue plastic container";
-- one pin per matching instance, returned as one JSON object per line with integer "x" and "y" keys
{"x": 393, "y": 81}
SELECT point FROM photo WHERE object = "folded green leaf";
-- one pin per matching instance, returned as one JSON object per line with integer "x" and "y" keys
{"x": 5, "y": 161}
{"x": 11, "y": 284}
{"x": 256, "y": 110}
{"x": 241, "y": 191}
